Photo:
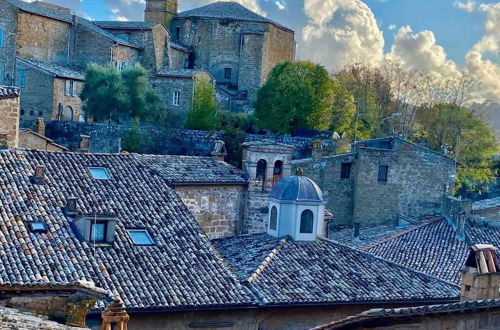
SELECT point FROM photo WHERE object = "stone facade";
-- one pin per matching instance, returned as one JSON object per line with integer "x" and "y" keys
{"x": 218, "y": 209}
{"x": 9, "y": 112}
{"x": 31, "y": 140}
{"x": 161, "y": 11}
{"x": 8, "y": 24}
{"x": 417, "y": 181}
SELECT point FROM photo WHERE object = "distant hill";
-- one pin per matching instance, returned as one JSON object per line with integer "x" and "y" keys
{"x": 489, "y": 112}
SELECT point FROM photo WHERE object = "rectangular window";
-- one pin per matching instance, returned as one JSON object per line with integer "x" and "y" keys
{"x": 383, "y": 171}
{"x": 176, "y": 98}
{"x": 99, "y": 173}
{"x": 140, "y": 237}
{"x": 21, "y": 77}
{"x": 70, "y": 88}
{"x": 345, "y": 171}
{"x": 1, "y": 37}
{"x": 98, "y": 232}
{"x": 228, "y": 73}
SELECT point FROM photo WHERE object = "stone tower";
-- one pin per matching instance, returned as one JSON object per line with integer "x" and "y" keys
{"x": 160, "y": 11}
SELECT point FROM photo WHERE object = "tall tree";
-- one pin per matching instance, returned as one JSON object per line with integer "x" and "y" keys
{"x": 103, "y": 93}
{"x": 203, "y": 113}
{"x": 296, "y": 95}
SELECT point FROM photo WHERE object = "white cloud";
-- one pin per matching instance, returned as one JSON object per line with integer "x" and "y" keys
{"x": 487, "y": 71}
{"x": 279, "y": 5}
{"x": 420, "y": 51}
{"x": 339, "y": 32}
{"x": 469, "y": 5}
{"x": 126, "y": 10}
{"x": 392, "y": 27}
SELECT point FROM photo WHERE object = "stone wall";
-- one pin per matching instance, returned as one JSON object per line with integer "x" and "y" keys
{"x": 251, "y": 56}
{"x": 216, "y": 208}
{"x": 166, "y": 86}
{"x": 9, "y": 124}
{"x": 59, "y": 98}
{"x": 279, "y": 46}
{"x": 177, "y": 58}
{"x": 8, "y": 23}
{"x": 29, "y": 140}
{"x": 92, "y": 47}
{"x": 43, "y": 38}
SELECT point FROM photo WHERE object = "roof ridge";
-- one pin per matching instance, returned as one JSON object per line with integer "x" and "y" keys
{"x": 267, "y": 260}
{"x": 390, "y": 262}
{"x": 398, "y": 234}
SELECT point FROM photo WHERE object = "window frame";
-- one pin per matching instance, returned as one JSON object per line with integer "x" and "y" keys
{"x": 271, "y": 219}
{"x": 176, "y": 98}
{"x": 90, "y": 168}
{"x": 344, "y": 173}
{"x": 383, "y": 175}
{"x": 226, "y": 75}
{"x": 302, "y": 218}
{"x": 37, "y": 230}
{"x": 150, "y": 237}
{"x": 98, "y": 222}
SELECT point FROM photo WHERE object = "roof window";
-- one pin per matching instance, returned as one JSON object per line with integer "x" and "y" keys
{"x": 99, "y": 173}
{"x": 140, "y": 237}
{"x": 38, "y": 227}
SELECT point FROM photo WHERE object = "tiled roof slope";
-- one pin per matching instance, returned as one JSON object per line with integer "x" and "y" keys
{"x": 228, "y": 10}
{"x": 432, "y": 249}
{"x": 13, "y": 319}
{"x": 125, "y": 25}
{"x": 180, "y": 170}
{"x": 326, "y": 272}
{"x": 91, "y": 26}
{"x": 392, "y": 315}
{"x": 7, "y": 92}
{"x": 55, "y": 69}
{"x": 181, "y": 271}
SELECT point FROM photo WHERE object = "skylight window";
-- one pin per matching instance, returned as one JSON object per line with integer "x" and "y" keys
{"x": 99, "y": 173}
{"x": 140, "y": 237}
{"x": 38, "y": 227}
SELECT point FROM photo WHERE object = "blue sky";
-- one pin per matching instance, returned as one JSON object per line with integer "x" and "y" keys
{"x": 443, "y": 37}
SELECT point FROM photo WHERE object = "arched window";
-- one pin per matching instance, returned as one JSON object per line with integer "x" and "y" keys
{"x": 277, "y": 171}
{"x": 306, "y": 222}
{"x": 261, "y": 170}
{"x": 273, "y": 223}
{"x": 67, "y": 114}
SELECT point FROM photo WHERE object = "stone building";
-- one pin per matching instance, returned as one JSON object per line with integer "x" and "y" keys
{"x": 381, "y": 179}
{"x": 235, "y": 45}
{"x": 9, "y": 112}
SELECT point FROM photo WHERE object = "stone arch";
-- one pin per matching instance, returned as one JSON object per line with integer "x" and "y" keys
{"x": 277, "y": 171}
{"x": 67, "y": 114}
{"x": 261, "y": 170}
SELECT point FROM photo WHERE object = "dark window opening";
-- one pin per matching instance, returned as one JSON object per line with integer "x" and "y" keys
{"x": 32, "y": 113}
{"x": 306, "y": 222}
{"x": 383, "y": 171}
{"x": 261, "y": 169}
{"x": 277, "y": 171}
{"x": 177, "y": 32}
{"x": 40, "y": 113}
{"x": 273, "y": 223}
{"x": 345, "y": 171}
{"x": 22, "y": 112}
{"x": 228, "y": 73}
{"x": 98, "y": 232}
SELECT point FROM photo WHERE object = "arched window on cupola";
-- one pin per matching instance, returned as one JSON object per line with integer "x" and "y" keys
{"x": 273, "y": 221}
{"x": 307, "y": 222}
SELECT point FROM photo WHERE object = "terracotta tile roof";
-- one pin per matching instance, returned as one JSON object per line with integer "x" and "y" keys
{"x": 7, "y": 92}
{"x": 325, "y": 272}
{"x": 181, "y": 271}
{"x": 179, "y": 170}
{"x": 393, "y": 315}
{"x": 13, "y": 319}
{"x": 229, "y": 11}
{"x": 55, "y": 69}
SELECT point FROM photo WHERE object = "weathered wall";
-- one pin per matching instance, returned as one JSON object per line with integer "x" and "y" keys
{"x": 279, "y": 46}
{"x": 28, "y": 140}
{"x": 8, "y": 22}
{"x": 36, "y": 100}
{"x": 92, "y": 47}
{"x": 43, "y": 38}
{"x": 74, "y": 102}
{"x": 251, "y": 63}
{"x": 177, "y": 58}
{"x": 338, "y": 191}
{"x": 216, "y": 208}
{"x": 9, "y": 124}
{"x": 415, "y": 184}
{"x": 166, "y": 86}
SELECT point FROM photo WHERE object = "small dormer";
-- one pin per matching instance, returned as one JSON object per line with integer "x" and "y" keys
{"x": 96, "y": 229}
{"x": 297, "y": 209}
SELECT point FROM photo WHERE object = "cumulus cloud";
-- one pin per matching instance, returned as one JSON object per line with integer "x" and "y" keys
{"x": 487, "y": 71}
{"x": 339, "y": 32}
{"x": 469, "y": 5}
{"x": 420, "y": 51}
{"x": 126, "y": 10}
{"x": 392, "y": 27}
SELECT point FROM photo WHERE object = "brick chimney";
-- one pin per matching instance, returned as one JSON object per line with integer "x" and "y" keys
{"x": 39, "y": 177}
{"x": 481, "y": 276}
{"x": 115, "y": 316}
{"x": 40, "y": 126}
{"x": 84, "y": 145}
{"x": 317, "y": 149}
{"x": 70, "y": 208}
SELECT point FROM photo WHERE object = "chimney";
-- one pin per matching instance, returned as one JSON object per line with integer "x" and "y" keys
{"x": 219, "y": 151}
{"x": 317, "y": 149}
{"x": 115, "y": 316}
{"x": 84, "y": 145}
{"x": 40, "y": 126}
{"x": 480, "y": 276}
{"x": 39, "y": 177}
{"x": 70, "y": 208}
{"x": 3, "y": 141}
{"x": 461, "y": 226}
{"x": 357, "y": 228}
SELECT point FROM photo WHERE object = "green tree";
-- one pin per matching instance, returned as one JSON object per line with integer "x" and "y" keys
{"x": 103, "y": 93}
{"x": 296, "y": 95}
{"x": 234, "y": 137}
{"x": 343, "y": 111}
{"x": 203, "y": 113}
{"x": 132, "y": 141}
